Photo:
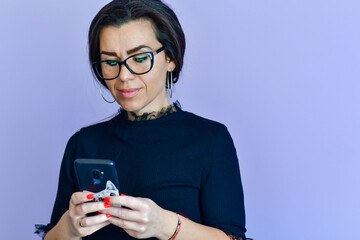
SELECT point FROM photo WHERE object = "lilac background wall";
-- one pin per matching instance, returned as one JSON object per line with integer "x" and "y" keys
{"x": 283, "y": 75}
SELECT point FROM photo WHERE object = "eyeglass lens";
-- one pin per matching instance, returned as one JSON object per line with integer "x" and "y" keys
{"x": 138, "y": 64}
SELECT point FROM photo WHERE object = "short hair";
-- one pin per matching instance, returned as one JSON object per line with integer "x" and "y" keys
{"x": 168, "y": 30}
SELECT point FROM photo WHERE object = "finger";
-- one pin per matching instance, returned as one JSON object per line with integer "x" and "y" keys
{"x": 93, "y": 221}
{"x": 85, "y": 231}
{"x": 80, "y": 197}
{"x": 99, "y": 226}
{"x": 126, "y": 214}
{"x": 129, "y": 202}
{"x": 89, "y": 207}
{"x": 127, "y": 225}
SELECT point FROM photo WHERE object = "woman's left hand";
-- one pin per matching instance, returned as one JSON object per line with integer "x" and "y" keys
{"x": 142, "y": 217}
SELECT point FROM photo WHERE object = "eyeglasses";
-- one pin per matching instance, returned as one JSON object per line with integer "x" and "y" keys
{"x": 138, "y": 64}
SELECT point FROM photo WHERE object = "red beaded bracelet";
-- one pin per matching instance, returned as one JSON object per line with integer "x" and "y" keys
{"x": 177, "y": 230}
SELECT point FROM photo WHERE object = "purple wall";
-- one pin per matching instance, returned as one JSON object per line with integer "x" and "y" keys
{"x": 283, "y": 75}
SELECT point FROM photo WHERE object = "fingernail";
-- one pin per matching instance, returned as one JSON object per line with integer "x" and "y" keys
{"x": 122, "y": 194}
{"x": 90, "y": 196}
{"x": 107, "y": 199}
{"x": 99, "y": 213}
{"x": 108, "y": 216}
{"x": 107, "y": 205}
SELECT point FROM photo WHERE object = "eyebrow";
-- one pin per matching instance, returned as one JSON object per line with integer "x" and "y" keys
{"x": 135, "y": 49}
{"x": 130, "y": 51}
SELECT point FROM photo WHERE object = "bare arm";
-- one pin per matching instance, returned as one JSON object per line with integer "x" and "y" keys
{"x": 144, "y": 219}
{"x": 190, "y": 230}
{"x": 74, "y": 224}
{"x": 61, "y": 230}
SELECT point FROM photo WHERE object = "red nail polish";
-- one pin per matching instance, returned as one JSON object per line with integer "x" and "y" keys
{"x": 122, "y": 194}
{"x": 107, "y": 205}
{"x": 108, "y": 216}
{"x": 90, "y": 196}
{"x": 107, "y": 199}
{"x": 99, "y": 213}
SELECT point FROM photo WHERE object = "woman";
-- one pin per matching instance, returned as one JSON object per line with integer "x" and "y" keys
{"x": 168, "y": 160}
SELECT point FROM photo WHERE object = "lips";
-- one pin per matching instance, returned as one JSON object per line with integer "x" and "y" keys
{"x": 128, "y": 93}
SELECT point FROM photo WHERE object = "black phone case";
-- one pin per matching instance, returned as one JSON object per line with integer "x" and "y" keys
{"x": 84, "y": 171}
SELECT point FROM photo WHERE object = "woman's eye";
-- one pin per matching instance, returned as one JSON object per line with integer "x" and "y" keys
{"x": 141, "y": 59}
{"x": 111, "y": 63}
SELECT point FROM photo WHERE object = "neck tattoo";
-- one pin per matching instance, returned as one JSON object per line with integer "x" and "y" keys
{"x": 152, "y": 115}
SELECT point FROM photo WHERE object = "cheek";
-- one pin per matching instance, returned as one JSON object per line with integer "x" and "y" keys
{"x": 156, "y": 81}
{"x": 109, "y": 84}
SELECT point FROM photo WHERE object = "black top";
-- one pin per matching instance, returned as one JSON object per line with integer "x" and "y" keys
{"x": 183, "y": 162}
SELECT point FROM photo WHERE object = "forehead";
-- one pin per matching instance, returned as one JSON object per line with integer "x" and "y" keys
{"x": 128, "y": 35}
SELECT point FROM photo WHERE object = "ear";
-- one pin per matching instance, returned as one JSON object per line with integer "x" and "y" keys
{"x": 110, "y": 186}
{"x": 171, "y": 64}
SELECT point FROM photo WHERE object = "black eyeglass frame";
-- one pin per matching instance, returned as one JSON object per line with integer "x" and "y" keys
{"x": 127, "y": 66}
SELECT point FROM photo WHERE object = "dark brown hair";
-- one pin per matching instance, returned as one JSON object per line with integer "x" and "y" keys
{"x": 168, "y": 30}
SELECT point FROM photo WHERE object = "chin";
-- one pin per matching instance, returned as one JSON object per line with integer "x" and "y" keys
{"x": 131, "y": 107}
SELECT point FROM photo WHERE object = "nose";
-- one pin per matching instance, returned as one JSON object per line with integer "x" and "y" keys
{"x": 125, "y": 74}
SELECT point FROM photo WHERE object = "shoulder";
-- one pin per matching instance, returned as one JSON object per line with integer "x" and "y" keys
{"x": 99, "y": 128}
{"x": 91, "y": 132}
{"x": 202, "y": 123}
{"x": 202, "y": 130}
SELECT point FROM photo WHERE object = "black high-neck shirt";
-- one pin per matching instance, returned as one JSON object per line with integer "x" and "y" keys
{"x": 183, "y": 162}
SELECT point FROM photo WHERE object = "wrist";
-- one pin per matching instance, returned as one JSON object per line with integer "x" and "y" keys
{"x": 177, "y": 230}
{"x": 61, "y": 231}
{"x": 168, "y": 226}
{"x": 64, "y": 229}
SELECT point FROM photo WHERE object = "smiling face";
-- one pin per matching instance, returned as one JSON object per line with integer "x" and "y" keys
{"x": 136, "y": 93}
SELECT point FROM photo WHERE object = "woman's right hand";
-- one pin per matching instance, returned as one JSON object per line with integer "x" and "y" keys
{"x": 81, "y": 225}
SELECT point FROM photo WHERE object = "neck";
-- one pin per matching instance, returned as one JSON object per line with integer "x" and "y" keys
{"x": 169, "y": 109}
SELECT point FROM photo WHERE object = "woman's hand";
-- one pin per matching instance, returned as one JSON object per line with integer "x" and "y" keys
{"x": 79, "y": 224}
{"x": 142, "y": 218}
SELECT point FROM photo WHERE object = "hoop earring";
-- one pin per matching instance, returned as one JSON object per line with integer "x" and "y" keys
{"x": 103, "y": 95}
{"x": 169, "y": 83}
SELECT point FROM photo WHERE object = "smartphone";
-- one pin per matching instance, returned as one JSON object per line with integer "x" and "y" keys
{"x": 97, "y": 176}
